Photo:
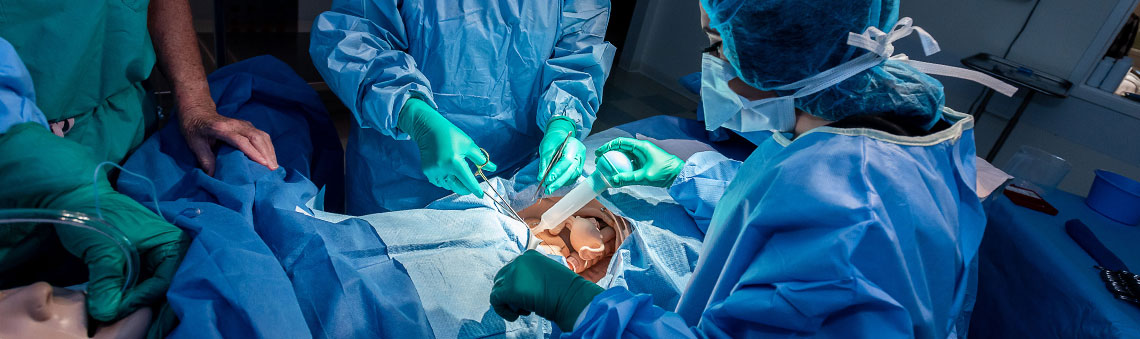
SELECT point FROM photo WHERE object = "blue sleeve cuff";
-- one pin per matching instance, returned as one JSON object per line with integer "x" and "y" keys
{"x": 617, "y": 312}
{"x": 17, "y": 96}
{"x": 701, "y": 183}
{"x": 558, "y": 104}
{"x": 386, "y": 123}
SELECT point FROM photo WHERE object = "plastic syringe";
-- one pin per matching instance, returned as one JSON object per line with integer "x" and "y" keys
{"x": 610, "y": 163}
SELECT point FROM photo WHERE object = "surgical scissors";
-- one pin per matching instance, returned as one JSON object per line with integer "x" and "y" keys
{"x": 501, "y": 203}
{"x": 553, "y": 160}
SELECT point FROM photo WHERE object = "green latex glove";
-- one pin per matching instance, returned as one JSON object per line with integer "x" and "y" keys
{"x": 443, "y": 148}
{"x": 56, "y": 173}
{"x": 569, "y": 166}
{"x": 652, "y": 165}
{"x": 534, "y": 283}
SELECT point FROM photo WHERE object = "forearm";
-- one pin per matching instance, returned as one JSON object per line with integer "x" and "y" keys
{"x": 171, "y": 28}
{"x": 701, "y": 184}
{"x": 578, "y": 67}
{"x": 361, "y": 55}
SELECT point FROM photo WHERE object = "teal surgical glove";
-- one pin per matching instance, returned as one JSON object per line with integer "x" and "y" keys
{"x": 652, "y": 165}
{"x": 534, "y": 283}
{"x": 443, "y": 148}
{"x": 569, "y": 166}
{"x": 55, "y": 173}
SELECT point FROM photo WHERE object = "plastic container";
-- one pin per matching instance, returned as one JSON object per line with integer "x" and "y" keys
{"x": 1037, "y": 170}
{"x": 609, "y": 163}
{"x": 1116, "y": 197}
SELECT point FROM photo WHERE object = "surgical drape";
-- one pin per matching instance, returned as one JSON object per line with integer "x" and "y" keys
{"x": 839, "y": 233}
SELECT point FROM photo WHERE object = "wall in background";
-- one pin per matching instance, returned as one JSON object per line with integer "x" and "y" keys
{"x": 665, "y": 42}
{"x": 307, "y": 12}
{"x": 203, "y": 12}
{"x": 1090, "y": 129}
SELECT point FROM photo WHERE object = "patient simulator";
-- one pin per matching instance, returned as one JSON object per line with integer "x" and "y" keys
{"x": 267, "y": 261}
{"x": 587, "y": 240}
{"x": 41, "y": 310}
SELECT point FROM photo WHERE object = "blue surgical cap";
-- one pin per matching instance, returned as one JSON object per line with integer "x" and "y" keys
{"x": 772, "y": 43}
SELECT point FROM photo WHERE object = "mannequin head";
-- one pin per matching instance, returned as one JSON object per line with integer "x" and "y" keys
{"x": 42, "y": 311}
{"x": 587, "y": 240}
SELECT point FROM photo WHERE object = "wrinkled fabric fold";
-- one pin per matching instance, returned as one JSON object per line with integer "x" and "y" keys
{"x": 499, "y": 71}
{"x": 259, "y": 267}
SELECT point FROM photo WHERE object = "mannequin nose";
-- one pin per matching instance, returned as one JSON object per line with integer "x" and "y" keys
{"x": 36, "y": 297}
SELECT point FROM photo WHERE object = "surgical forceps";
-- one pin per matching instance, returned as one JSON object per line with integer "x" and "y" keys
{"x": 501, "y": 203}
{"x": 553, "y": 160}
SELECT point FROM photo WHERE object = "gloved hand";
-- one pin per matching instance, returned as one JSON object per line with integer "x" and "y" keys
{"x": 160, "y": 246}
{"x": 534, "y": 283}
{"x": 55, "y": 173}
{"x": 443, "y": 148}
{"x": 569, "y": 166}
{"x": 652, "y": 165}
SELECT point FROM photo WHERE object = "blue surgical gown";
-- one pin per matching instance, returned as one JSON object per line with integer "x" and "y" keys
{"x": 839, "y": 233}
{"x": 498, "y": 70}
{"x": 17, "y": 95}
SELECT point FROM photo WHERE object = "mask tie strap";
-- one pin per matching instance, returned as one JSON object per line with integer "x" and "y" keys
{"x": 881, "y": 45}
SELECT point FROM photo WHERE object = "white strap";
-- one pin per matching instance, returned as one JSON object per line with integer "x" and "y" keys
{"x": 962, "y": 73}
{"x": 882, "y": 45}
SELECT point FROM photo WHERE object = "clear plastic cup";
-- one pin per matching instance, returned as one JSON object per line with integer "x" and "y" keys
{"x": 611, "y": 162}
{"x": 1036, "y": 169}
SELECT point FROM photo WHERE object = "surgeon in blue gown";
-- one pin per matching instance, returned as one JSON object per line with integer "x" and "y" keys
{"x": 856, "y": 215}
{"x": 454, "y": 77}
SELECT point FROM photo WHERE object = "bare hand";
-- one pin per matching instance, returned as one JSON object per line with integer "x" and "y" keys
{"x": 203, "y": 127}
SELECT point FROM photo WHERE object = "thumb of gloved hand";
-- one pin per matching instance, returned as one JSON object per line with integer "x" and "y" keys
{"x": 107, "y": 274}
{"x": 652, "y": 166}
{"x": 562, "y": 152}
{"x": 534, "y": 283}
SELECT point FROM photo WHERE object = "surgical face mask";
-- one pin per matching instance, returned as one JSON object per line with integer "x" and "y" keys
{"x": 724, "y": 108}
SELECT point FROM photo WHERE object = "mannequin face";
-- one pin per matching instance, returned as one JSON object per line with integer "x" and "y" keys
{"x": 42, "y": 311}
{"x": 587, "y": 240}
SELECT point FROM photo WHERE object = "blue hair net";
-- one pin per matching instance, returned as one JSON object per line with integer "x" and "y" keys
{"x": 772, "y": 43}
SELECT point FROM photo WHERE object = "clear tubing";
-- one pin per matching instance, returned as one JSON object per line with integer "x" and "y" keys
{"x": 586, "y": 190}
{"x": 572, "y": 202}
{"x": 82, "y": 221}
{"x": 95, "y": 187}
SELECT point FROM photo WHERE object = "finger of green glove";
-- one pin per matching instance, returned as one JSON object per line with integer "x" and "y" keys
{"x": 546, "y": 151}
{"x": 543, "y": 160}
{"x": 501, "y": 292}
{"x": 632, "y": 148}
{"x": 568, "y": 177}
{"x": 438, "y": 182}
{"x": 106, "y": 276}
{"x": 561, "y": 173}
{"x": 613, "y": 145}
{"x": 628, "y": 178}
{"x": 477, "y": 157}
{"x": 165, "y": 261}
{"x": 451, "y": 183}
{"x": 467, "y": 180}
{"x": 500, "y": 303}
